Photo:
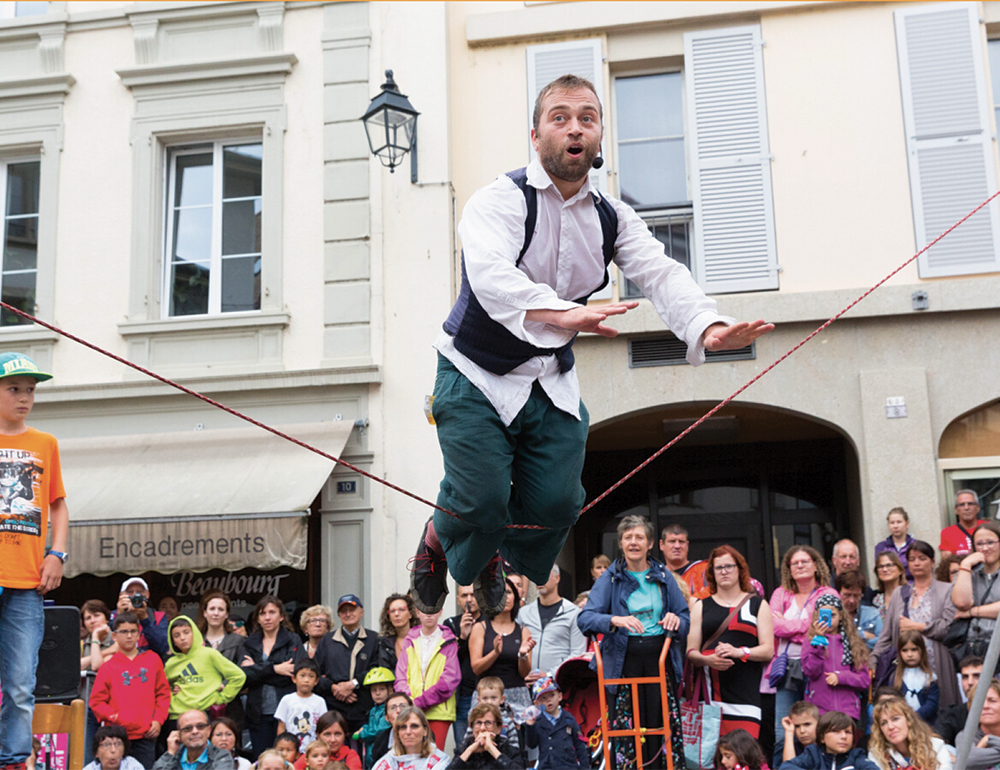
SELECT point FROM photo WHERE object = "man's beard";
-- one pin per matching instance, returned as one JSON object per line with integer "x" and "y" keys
{"x": 558, "y": 164}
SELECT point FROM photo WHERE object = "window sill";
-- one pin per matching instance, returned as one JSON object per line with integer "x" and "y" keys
{"x": 208, "y": 345}
{"x": 213, "y": 323}
{"x": 14, "y": 335}
{"x": 162, "y": 74}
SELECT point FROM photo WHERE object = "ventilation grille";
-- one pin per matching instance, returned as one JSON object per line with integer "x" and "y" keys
{"x": 667, "y": 350}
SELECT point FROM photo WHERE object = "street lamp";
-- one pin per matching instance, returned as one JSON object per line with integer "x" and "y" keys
{"x": 391, "y": 126}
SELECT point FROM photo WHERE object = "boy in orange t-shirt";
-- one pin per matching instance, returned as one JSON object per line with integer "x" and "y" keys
{"x": 31, "y": 494}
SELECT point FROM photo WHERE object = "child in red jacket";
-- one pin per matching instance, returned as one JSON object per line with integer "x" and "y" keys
{"x": 131, "y": 690}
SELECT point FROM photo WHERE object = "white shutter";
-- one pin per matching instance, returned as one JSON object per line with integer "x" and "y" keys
{"x": 949, "y": 147}
{"x": 730, "y": 161}
{"x": 583, "y": 58}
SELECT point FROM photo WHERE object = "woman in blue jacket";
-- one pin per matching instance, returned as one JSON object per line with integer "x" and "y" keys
{"x": 634, "y": 603}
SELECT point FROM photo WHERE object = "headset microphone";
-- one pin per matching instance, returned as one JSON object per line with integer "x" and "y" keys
{"x": 598, "y": 162}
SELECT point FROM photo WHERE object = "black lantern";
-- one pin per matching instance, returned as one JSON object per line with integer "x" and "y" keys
{"x": 391, "y": 126}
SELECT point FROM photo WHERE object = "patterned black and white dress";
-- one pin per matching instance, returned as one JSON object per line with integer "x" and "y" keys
{"x": 737, "y": 689}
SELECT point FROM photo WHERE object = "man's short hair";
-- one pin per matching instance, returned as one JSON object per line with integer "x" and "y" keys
{"x": 803, "y": 708}
{"x": 306, "y": 663}
{"x": 673, "y": 529}
{"x": 971, "y": 661}
{"x": 110, "y": 731}
{"x": 490, "y": 683}
{"x": 563, "y": 83}
{"x": 125, "y": 617}
{"x": 972, "y": 492}
{"x": 850, "y": 578}
{"x": 555, "y": 568}
{"x": 836, "y": 546}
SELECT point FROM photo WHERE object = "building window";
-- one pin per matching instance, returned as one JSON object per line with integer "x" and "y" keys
{"x": 10, "y": 9}
{"x": 19, "y": 183}
{"x": 673, "y": 229}
{"x": 215, "y": 203}
{"x": 652, "y": 172}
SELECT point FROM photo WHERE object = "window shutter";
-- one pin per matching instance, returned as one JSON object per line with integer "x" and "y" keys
{"x": 577, "y": 57}
{"x": 948, "y": 142}
{"x": 585, "y": 59}
{"x": 730, "y": 161}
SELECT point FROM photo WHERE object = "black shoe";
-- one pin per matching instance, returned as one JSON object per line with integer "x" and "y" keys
{"x": 490, "y": 588}
{"x": 428, "y": 575}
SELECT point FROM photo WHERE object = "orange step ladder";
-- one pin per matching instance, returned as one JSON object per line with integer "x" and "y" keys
{"x": 638, "y": 732}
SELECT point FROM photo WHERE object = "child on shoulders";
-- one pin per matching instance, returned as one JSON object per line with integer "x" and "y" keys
{"x": 835, "y": 662}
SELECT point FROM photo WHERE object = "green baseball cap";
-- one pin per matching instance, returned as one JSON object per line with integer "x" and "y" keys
{"x": 18, "y": 364}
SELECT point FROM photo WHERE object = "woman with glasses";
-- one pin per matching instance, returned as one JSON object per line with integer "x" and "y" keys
{"x": 315, "y": 622}
{"x": 413, "y": 745}
{"x": 487, "y": 746}
{"x": 889, "y": 575}
{"x": 398, "y": 616}
{"x": 804, "y": 578}
{"x": 733, "y": 663}
{"x": 111, "y": 750}
{"x": 976, "y": 590}
{"x": 925, "y": 607}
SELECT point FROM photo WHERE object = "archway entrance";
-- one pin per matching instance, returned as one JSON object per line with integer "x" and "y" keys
{"x": 757, "y": 478}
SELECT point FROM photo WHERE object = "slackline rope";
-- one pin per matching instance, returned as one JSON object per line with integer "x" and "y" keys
{"x": 390, "y": 485}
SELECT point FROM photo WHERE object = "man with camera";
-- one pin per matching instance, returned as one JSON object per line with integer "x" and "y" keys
{"x": 134, "y": 597}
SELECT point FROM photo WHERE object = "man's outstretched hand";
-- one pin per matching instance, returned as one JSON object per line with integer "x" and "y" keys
{"x": 722, "y": 337}
{"x": 584, "y": 318}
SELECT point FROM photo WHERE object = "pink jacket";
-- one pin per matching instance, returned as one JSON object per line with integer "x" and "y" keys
{"x": 817, "y": 662}
{"x": 789, "y": 629}
{"x": 432, "y": 691}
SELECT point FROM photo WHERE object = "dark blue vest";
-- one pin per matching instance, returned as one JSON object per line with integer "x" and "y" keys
{"x": 488, "y": 343}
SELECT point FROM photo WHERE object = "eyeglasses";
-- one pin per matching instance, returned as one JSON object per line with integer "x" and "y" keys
{"x": 987, "y": 544}
{"x": 807, "y": 563}
{"x": 317, "y": 622}
{"x": 111, "y": 743}
{"x": 890, "y": 565}
{"x": 190, "y": 728}
{"x": 489, "y": 724}
{"x": 725, "y": 567}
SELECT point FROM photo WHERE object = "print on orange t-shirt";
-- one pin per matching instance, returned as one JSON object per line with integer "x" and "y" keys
{"x": 30, "y": 481}
{"x": 694, "y": 576}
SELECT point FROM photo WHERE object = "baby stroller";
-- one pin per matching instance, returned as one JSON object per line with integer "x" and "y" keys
{"x": 581, "y": 698}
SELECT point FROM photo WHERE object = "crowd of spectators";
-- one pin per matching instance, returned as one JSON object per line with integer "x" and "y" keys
{"x": 169, "y": 692}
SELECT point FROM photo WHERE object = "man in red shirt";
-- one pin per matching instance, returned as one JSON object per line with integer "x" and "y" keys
{"x": 674, "y": 544}
{"x": 958, "y": 537}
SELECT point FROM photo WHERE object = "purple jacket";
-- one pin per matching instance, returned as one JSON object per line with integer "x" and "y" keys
{"x": 817, "y": 662}
{"x": 888, "y": 545}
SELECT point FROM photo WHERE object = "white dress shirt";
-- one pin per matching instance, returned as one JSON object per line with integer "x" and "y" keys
{"x": 564, "y": 262}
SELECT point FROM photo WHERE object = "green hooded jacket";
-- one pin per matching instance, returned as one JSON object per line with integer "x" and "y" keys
{"x": 200, "y": 674}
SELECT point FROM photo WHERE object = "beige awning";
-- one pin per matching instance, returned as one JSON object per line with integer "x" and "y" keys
{"x": 198, "y": 500}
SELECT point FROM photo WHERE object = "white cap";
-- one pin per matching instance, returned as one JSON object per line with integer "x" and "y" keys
{"x": 132, "y": 580}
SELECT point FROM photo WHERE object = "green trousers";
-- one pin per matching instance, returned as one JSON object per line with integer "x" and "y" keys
{"x": 527, "y": 472}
